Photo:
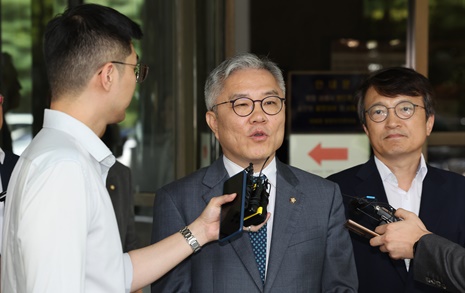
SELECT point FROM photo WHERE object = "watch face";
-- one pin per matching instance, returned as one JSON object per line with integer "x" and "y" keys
{"x": 194, "y": 244}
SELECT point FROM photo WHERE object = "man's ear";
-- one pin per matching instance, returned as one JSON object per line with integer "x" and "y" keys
{"x": 429, "y": 125}
{"x": 107, "y": 76}
{"x": 212, "y": 121}
{"x": 365, "y": 129}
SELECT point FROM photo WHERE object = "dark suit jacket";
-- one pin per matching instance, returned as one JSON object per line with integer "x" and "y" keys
{"x": 119, "y": 186}
{"x": 310, "y": 249}
{"x": 7, "y": 168}
{"x": 441, "y": 209}
{"x": 440, "y": 263}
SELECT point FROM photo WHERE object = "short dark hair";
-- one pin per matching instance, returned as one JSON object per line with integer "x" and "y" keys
{"x": 216, "y": 80}
{"x": 80, "y": 40}
{"x": 395, "y": 81}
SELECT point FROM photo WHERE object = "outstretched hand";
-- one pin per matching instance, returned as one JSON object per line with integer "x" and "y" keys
{"x": 206, "y": 227}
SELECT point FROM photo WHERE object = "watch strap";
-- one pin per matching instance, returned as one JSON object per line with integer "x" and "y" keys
{"x": 190, "y": 239}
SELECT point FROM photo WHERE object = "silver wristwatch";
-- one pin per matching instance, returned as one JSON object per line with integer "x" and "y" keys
{"x": 191, "y": 240}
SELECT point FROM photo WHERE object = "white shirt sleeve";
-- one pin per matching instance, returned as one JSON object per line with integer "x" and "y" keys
{"x": 128, "y": 272}
{"x": 52, "y": 231}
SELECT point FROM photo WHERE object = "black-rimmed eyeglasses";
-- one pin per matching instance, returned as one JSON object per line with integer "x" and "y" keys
{"x": 140, "y": 70}
{"x": 404, "y": 110}
{"x": 243, "y": 107}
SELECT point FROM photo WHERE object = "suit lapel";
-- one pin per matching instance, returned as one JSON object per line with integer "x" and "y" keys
{"x": 432, "y": 203}
{"x": 214, "y": 179}
{"x": 284, "y": 219}
{"x": 244, "y": 252}
{"x": 372, "y": 184}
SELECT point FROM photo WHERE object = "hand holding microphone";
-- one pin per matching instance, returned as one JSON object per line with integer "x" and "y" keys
{"x": 398, "y": 238}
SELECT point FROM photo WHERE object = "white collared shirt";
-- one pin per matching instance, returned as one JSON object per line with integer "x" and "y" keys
{"x": 270, "y": 172}
{"x": 397, "y": 197}
{"x": 60, "y": 230}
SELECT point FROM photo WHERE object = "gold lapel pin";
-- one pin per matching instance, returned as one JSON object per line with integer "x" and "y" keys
{"x": 292, "y": 200}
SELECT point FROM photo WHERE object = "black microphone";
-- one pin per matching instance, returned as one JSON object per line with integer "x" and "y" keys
{"x": 381, "y": 212}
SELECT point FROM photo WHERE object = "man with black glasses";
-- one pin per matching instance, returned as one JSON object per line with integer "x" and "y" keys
{"x": 395, "y": 107}
{"x": 60, "y": 231}
{"x": 303, "y": 247}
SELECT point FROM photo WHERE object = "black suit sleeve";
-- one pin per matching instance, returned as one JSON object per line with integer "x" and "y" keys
{"x": 440, "y": 263}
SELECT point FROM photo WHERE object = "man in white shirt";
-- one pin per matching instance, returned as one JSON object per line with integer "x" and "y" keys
{"x": 60, "y": 231}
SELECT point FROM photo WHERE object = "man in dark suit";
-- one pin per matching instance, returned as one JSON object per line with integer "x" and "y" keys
{"x": 119, "y": 186}
{"x": 395, "y": 106}
{"x": 307, "y": 247}
{"x": 438, "y": 261}
{"x": 7, "y": 163}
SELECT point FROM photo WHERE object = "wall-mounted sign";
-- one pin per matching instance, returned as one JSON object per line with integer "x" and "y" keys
{"x": 325, "y": 154}
{"x": 323, "y": 102}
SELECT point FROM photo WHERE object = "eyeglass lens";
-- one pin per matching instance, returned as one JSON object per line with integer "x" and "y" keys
{"x": 403, "y": 110}
{"x": 270, "y": 105}
{"x": 141, "y": 72}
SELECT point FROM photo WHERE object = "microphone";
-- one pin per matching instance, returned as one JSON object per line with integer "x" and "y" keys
{"x": 381, "y": 212}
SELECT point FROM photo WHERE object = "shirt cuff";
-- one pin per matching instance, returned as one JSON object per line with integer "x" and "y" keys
{"x": 128, "y": 272}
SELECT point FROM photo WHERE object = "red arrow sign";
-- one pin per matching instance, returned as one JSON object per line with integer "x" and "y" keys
{"x": 319, "y": 154}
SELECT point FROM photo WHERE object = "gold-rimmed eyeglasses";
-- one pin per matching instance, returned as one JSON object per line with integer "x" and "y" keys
{"x": 141, "y": 70}
{"x": 404, "y": 110}
{"x": 243, "y": 107}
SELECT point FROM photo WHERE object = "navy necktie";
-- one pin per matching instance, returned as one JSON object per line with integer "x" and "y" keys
{"x": 258, "y": 240}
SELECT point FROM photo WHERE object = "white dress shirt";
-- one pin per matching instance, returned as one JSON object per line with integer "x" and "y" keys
{"x": 397, "y": 197}
{"x": 60, "y": 231}
{"x": 270, "y": 172}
